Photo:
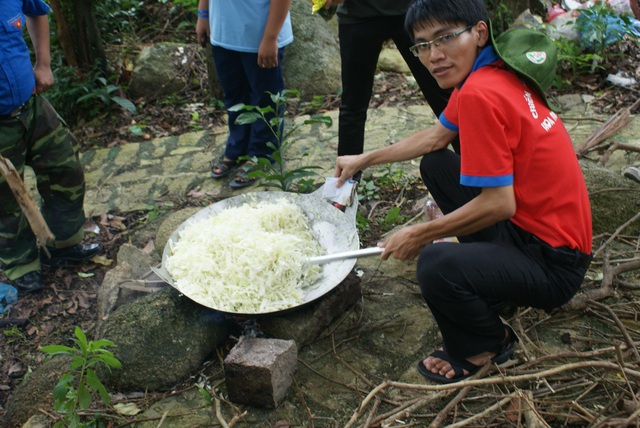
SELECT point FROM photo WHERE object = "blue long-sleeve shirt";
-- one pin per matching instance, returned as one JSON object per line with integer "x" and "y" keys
{"x": 16, "y": 71}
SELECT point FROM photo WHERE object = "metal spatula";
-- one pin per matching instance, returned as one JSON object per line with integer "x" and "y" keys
{"x": 365, "y": 252}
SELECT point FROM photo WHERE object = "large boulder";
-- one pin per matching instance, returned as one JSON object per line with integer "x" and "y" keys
{"x": 161, "y": 339}
{"x": 312, "y": 62}
{"x": 614, "y": 199}
{"x": 161, "y": 69}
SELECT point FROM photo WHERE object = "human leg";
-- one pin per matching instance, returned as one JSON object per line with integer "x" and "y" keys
{"x": 236, "y": 90}
{"x": 263, "y": 82}
{"x": 360, "y": 46}
{"x": 462, "y": 284}
{"x": 52, "y": 153}
{"x": 18, "y": 247}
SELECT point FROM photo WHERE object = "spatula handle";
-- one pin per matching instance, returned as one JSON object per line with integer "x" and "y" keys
{"x": 365, "y": 252}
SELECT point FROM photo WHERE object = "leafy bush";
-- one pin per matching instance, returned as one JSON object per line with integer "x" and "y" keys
{"x": 74, "y": 388}
{"x": 274, "y": 172}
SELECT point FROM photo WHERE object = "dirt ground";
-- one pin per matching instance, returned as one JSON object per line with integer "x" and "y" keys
{"x": 69, "y": 300}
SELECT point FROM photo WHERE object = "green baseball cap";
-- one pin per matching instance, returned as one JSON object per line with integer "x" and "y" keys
{"x": 531, "y": 54}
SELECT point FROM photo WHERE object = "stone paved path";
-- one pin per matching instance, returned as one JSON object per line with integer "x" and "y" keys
{"x": 135, "y": 175}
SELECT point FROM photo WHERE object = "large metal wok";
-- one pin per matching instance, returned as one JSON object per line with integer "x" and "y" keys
{"x": 335, "y": 231}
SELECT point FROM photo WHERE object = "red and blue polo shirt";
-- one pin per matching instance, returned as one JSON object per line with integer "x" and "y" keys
{"x": 508, "y": 136}
{"x": 16, "y": 71}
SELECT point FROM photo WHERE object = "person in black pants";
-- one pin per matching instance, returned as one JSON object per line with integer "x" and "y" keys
{"x": 515, "y": 197}
{"x": 364, "y": 26}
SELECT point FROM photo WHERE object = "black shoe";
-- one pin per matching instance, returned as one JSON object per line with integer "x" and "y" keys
{"x": 29, "y": 283}
{"x": 69, "y": 255}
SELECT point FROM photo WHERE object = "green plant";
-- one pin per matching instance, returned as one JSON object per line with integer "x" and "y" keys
{"x": 274, "y": 172}
{"x": 599, "y": 26}
{"x": 14, "y": 335}
{"x": 362, "y": 222}
{"x": 69, "y": 87}
{"x": 571, "y": 57}
{"x": 154, "y": 211}
{"x": 368, "y": 190}
{"x": 216, "y": 103}
{"x": 73, "y": 390}
{"x": 137, "y": 129}
{"x": 393, "y": 217}
{"x": 117, "y": 17}
{"x": 194, "y": 122}
{"x": 106, "y": 92}
{"x": 392, "y": 175}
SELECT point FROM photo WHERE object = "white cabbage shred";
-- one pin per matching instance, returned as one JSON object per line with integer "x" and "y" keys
{"x": 246, "y": 259}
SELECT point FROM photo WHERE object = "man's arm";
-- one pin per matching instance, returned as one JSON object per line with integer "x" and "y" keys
{"x": 38, "y": 27}
{"x": 268, "y": 50}
{"x": 422, "y": 142}
{"x": 492, "y": 205}
{"x": 202, "y": 25}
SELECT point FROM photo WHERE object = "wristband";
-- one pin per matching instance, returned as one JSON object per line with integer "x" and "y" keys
{"x": 203, "y": 13}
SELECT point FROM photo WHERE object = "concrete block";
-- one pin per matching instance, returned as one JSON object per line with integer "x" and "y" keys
{"x": 306, "y": 323}
{"x": 258, "y": 371}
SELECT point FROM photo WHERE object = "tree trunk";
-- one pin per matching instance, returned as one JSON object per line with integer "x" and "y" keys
{"x": 88, "y": 41}
{"x": 64, "y": 35}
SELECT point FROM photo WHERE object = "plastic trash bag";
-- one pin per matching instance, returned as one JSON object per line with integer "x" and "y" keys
{"x": 600, "y": 25}
{"x": 8, "y": 295}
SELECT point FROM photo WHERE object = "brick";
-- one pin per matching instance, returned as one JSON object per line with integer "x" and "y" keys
{"x": 258, "y": 372}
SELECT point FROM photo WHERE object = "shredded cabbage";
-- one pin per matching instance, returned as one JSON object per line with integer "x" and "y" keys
{"x": 247, "y": 259}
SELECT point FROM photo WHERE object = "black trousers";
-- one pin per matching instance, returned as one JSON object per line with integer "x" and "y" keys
{"x": 360, "y": 46}
{"x": 465, "y": 283}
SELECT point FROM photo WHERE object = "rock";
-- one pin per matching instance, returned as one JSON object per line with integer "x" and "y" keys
{"x": 133, "y": 264}
{"x": 614, "y": 199}
{"x": 35, "y": 392}
{"x": 258, "y": 371}
{"x": 37, "y": 421}
{"x": 170, "y": 224}
{"x": 391, "y": 60}
{"x": 312, "y": 62}
{"x": 305, "y": 324}
{"x": 161, "y": 70}
{"x": 161, "y": 339}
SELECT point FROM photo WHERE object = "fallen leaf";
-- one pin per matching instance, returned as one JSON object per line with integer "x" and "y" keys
{"x": 14, "y": 368}
{"x": 127, "y": 409}
{"x": 150, "y": 247}
{"x": 83, "y": 301}
{"x": 102, "y": 260}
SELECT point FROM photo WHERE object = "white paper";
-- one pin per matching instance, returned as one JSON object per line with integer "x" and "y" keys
{"x": 341, "y": 195}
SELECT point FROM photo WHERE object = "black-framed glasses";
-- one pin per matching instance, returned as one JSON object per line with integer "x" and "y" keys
{"x": 442, "y": 41}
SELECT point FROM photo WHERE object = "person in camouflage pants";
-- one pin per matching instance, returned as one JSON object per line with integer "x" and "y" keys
{"x": 32, "y": 133}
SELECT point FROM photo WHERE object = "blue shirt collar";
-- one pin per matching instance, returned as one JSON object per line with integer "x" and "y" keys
{"x": 486, "y": 56}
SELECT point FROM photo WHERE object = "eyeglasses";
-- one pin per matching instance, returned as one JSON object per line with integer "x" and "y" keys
{"x": 442, "y": 41}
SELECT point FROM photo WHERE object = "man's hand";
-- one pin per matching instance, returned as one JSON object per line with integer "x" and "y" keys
{"x": 44, "y": 78}
{"x": 405, "y": 244}
{"x": 346, "y": 167}
{"x": 268, "y": 53}
{"x": 203, "y": 32}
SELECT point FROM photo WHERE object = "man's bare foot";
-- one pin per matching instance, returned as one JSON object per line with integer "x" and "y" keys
{"x": 440, "y": 366}
{"x": 444, "y": 368}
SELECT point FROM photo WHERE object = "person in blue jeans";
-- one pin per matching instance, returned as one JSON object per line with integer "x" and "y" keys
{"x": 248, "y": 39}
{"x": 363, "y": 27}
